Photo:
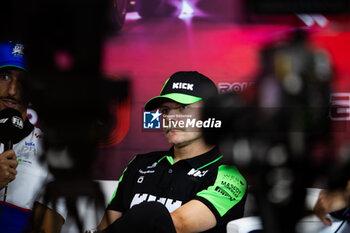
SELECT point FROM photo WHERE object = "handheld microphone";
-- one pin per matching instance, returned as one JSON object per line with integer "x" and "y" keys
{"x": 11, "y": 126}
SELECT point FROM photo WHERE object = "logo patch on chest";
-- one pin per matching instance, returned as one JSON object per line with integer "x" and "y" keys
{"x": 169, "y": 203}
{"x": 149, "y": 169}
{"x": 197, "y": 173}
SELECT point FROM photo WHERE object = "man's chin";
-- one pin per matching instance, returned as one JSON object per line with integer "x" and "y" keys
{"x": 173, "y": 137}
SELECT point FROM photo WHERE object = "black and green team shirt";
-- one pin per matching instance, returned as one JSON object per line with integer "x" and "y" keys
{"x": 155, "y": 177}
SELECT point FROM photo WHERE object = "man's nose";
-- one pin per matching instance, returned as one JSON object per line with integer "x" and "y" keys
{"x": 13, "y": 87}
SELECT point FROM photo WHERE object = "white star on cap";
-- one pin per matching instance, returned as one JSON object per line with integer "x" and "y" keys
{"x": 18, "y": 50}
{"x": 155, "y": 115}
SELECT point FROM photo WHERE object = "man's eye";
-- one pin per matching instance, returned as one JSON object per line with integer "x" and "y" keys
{"x": 164, "y": 110}
{"x": 4, "y": 77}
{"x": 184, "y": 107}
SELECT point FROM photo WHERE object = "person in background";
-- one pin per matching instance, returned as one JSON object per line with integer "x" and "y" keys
{"x": 184, "y": 189}
{"x": 330, "y": 201}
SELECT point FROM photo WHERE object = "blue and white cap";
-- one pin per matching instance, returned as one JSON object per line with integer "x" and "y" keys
{"x": 12, "y": 55}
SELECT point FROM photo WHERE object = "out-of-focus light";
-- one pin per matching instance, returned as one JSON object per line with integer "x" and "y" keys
{"x": 311, "y": 20}
{"x": 320, "y": 20}
{"x": 187, "y": 10}
{"x": 132, "y": 16}
{"x": 307, "y": 19}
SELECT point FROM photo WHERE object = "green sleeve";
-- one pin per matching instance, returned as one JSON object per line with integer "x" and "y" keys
{"x": 228, "y": 189}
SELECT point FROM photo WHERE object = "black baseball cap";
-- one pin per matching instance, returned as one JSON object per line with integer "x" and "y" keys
{"x": 185, "y": 87}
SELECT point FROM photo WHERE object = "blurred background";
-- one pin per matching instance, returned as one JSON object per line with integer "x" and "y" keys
{"x": 143, "y": 42}
{"x": 222, "y": 40}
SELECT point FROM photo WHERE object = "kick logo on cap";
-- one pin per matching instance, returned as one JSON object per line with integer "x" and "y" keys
{"x": 185, "y": 86}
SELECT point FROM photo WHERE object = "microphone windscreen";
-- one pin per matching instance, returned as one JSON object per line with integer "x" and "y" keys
{"x": 11, "y": 125}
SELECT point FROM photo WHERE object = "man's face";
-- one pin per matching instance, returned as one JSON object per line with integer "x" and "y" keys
{"x": 173, "y": 113}
{"x": 11, "y": 94}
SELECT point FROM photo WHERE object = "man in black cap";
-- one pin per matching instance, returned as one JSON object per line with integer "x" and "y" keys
{"x": 185, "y": 189}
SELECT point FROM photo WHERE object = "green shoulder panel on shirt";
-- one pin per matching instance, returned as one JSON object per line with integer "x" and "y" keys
{"x": 120, "y": 180}
{"x": 228, "y": 189}
{"x": 169, "y": 158}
